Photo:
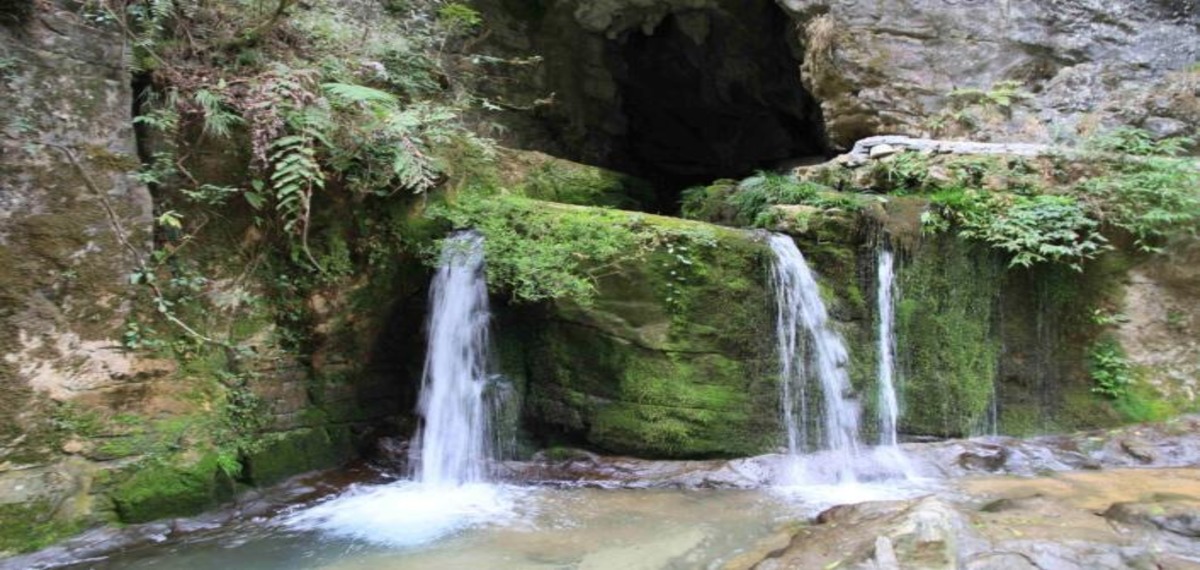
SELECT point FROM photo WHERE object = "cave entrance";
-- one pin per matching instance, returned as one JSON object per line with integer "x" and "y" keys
{"x": 711, "y": 94}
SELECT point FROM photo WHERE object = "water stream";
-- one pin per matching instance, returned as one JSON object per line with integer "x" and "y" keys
{"x": 889, "y": 405}
{"x": 810, "y": 350}
{"x": 453, "y": 444}
{"x": 449, "y": 515}
{"x": 448, "y": 492}
{"x": 815, "y": 387}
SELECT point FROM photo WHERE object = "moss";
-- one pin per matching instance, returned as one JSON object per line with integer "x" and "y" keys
{"x": 945, "y": 324}
{"x": 32, "y": 526}
{"x": 570, "y": 183}
{"x": 1142, "y": 402}
{"x": 669, "y": 360}
{"x": 168, "y": 489}
{"x": 298, "y": 452}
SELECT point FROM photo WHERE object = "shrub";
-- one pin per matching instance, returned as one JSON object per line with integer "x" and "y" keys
{"x": 1110, "y": 371}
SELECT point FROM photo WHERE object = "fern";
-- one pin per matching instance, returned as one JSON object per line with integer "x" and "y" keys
{"x": 295, "y": 174}
{"x": 359, "y": 94}
{"x": 218, "y": 120}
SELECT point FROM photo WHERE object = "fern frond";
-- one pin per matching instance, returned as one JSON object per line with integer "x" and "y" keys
{"x": 348, "y": 93}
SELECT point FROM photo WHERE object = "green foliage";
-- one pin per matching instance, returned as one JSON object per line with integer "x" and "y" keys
{"x": 459, "y": 18}
{"x": 8, "y": 67}
{"x": 757, "y": 193}
{"x": 1138, "y": 142}
{"x": 1111, "y": 372}
{"x": 968, "y": 107}
{"x": 1033, "y": 229}
{"x": 904, "y": 172}
{"x": 295, "y": 175}
{"x": 538, "y": 251}
{"x": 1152, "y": 199}
{"x": 1002, "y": 95}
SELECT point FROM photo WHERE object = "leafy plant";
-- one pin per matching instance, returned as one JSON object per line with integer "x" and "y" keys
{"x": 906, "y": 171}
{"x": 459, "y": 18}
{"x": 1152, "y": 197}
{"x": 1003, "y": 95}
{"x": 1138, "y": 142}
{"x": 756, "y": 194}
{"x": 1032, "y": 229}
{"x": 1110, "y": 370}
{"x": 966, "y": 107}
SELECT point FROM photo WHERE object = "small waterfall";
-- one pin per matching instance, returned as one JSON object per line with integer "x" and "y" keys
{"x": 453, "y": 444}
{"x": 889, "y": 405}
{"x": 810, "y": 347}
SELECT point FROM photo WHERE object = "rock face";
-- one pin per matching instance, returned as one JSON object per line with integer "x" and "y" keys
{"x": 74, "y": 223}
{"x": 1000, "y": 70}
{"x": 677, "y": 91}
{"x": 671, "y": 359}
{"x": 891, "y": 66}
{"x": 94, "y": 427}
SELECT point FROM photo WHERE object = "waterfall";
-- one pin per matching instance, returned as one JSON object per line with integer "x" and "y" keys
{"x": 449, "y": 492}
{"x": 889, "y": 405}
{"x": 809, "y": 347}
{"x": 453, "y": 444}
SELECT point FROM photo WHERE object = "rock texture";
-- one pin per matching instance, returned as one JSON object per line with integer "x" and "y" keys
{"x": 73, "y": 225}
{"x": 669, "y": 360}
{"x": 73, "y": 222}
{"x": 890, "y": 66}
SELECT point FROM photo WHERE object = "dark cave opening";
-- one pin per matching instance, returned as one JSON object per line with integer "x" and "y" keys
{"x": 711, "y": 95}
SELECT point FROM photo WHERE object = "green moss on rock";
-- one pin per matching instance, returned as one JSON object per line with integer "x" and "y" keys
{"x": 945, "y": 326}
{"x": 162, "y": 490}
{"x": 32, "y": 526}
{"x": 669, "y": 359}
{"x": 297, "y": 452}
{"x": 566, "y": 182}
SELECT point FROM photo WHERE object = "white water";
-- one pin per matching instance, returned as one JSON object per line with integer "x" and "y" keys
{"x": 811, "y": 350}
{"x": 889, "y": 405}
{"x": 452, "y": 446}
{"x": 449, "y": 492}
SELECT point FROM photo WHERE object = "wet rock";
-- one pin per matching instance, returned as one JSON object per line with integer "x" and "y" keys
{"x": 926, "y": 533}
{"x": 392, "y": 453}
{"x": 1139, "y": 450}
{"x": 984, "y": 458}
{"x": 1181, "y": 517}
{"x": 627, "y": 472}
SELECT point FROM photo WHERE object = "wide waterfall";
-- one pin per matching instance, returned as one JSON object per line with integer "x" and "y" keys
{"x": 889, "y": 404}
{"x": 452, "y": 446}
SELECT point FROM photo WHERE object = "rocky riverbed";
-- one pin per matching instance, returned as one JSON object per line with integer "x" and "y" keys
{"x": 1127, "y": 498}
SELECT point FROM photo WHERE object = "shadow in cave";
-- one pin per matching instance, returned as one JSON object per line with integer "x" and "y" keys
{"x": 711, "y": 95}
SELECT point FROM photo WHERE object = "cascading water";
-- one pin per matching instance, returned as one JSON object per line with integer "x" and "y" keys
{"x": 889, "y": 405}
{"x": 815, "y": 384}
{"x": 809, "y": 346}
{"x": 452, "y": 446}
{"x": 451, "y": 452}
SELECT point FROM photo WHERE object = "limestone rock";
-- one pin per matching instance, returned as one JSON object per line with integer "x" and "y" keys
{"x": 889, "y": 66}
